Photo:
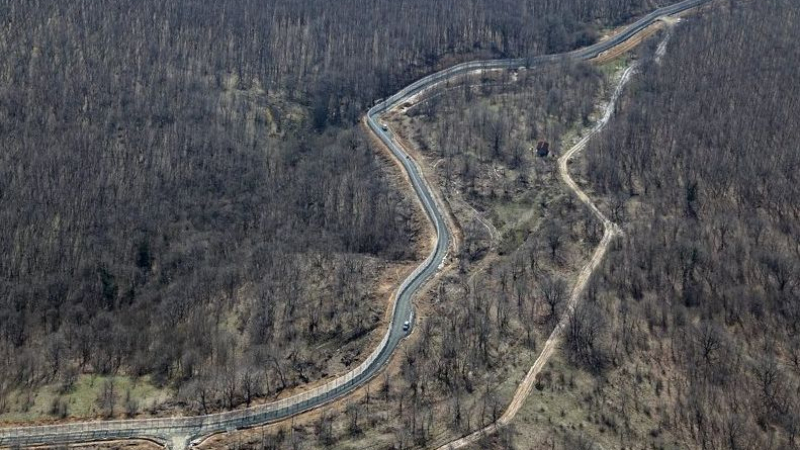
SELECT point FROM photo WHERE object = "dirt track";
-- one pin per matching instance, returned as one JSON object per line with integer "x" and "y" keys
{"x": 610, "y": 231}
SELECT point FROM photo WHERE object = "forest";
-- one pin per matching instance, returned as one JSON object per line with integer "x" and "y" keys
{"x": 701, "y": 166}
{"x": 185, "y": 197}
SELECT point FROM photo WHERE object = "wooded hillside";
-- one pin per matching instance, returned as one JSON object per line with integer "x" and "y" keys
{"x": 701, "y": 166}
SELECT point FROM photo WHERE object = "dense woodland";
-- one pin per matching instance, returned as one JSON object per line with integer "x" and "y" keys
{"x": 339, "y": 55}
{"x": 183, "y": 193}
{"x": 154, "y": 222}
{"x": 701, "y": 166}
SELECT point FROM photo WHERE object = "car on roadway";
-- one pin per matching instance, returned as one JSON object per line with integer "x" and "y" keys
{"x": 384, "y": 127}
{"x": 406, "y": 325}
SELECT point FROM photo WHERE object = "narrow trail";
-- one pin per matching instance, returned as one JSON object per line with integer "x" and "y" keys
{"x": 610, "y": 231}
{"x": 494, "y": 234}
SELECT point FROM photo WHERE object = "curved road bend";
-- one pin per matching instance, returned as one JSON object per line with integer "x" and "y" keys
{"x": 178, "y": 431}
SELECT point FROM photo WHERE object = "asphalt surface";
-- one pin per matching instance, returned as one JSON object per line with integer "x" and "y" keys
{"x": 178, "y": 432}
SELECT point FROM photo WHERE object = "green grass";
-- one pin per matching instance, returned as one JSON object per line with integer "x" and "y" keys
{"x": 615, "y": 66}
{"x": 568, "y": 405}
{"x": 556, "y": 402}
{"x": 81, "y": 399}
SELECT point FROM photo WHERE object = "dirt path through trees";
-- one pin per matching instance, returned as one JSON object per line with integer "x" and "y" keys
{"x": 610, "y": 231}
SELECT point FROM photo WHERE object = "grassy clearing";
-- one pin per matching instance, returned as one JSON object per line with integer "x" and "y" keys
{"x": 613, "y": 68}
{"x": 81, "y": 400}
{"x": 614, "y": 411}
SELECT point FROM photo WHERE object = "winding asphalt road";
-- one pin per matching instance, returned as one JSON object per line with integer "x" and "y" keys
{"x": 177, "y": 432}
